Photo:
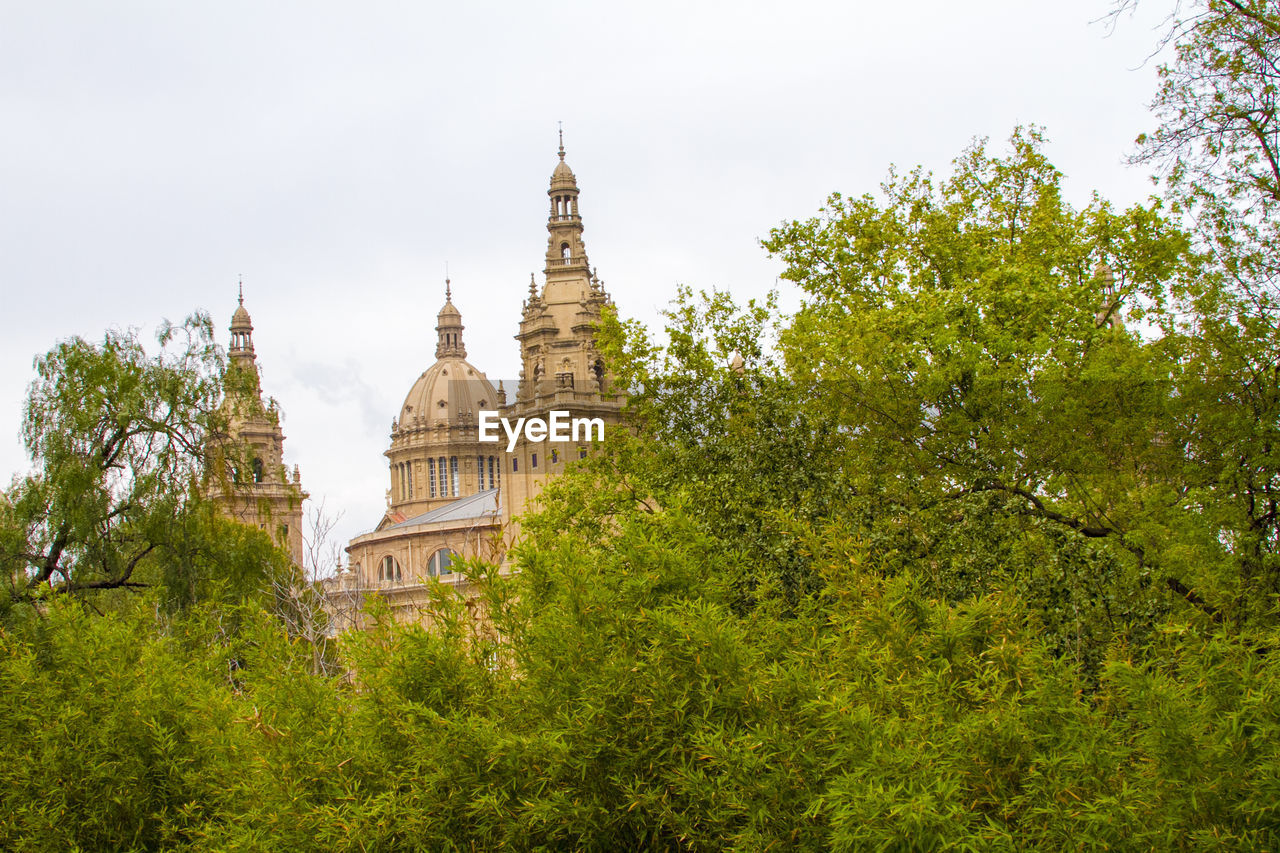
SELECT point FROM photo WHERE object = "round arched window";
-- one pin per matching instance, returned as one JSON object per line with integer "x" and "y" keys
{"x": 389, "y": 569}
{"x": 441, "y": 563}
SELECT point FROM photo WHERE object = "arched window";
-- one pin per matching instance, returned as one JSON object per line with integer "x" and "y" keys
{"x": 389, "y": 569}
{"x": 440, "y": 563}
{"x": 564, "y": 252}
{"x": 257, "y": 470}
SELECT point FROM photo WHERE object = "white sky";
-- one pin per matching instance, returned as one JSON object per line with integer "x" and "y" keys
{"x": 338, "y": 155}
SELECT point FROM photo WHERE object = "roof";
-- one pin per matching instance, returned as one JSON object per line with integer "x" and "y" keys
{"x": 451, "y": 390}
{"x": 479, "y": 505}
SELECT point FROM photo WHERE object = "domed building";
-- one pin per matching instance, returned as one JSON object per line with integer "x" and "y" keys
{"x": 452, "y": 494}
{"x": 443, "y": 496}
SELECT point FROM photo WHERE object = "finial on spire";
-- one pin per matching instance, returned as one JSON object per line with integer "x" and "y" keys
{"x": 560, "y": 125}
{"x": 241, "y": 289}
{"x": 448, "y": 291}
{"x": 533, "y": 287}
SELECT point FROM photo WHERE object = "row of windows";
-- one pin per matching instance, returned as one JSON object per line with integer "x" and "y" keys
{"x": 443, "y": 479}
{"x": 404, "y": 471}
{"x": 555, "y": 457}
{"x": 440, "y": 564}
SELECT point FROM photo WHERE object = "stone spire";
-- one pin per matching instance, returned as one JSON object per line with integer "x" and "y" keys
{"x": 242, "y": 375}
{"x": 565, "y": 251}
{"x": 241, "y": 350}
{"x": 449, "y": 328}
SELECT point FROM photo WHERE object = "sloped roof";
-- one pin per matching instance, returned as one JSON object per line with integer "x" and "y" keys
{"x": 479, "y": 505}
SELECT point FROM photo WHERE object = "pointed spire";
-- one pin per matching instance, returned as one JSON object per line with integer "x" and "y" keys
{"x": 533, "y": 289}
{"x": 241, "y": 349}
{"x": 560, "y": 125}
{"x": 564, "y": 224}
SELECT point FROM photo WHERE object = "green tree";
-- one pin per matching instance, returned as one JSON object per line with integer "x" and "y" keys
{"x": 1019, "y": 383}
{"x": 119, "y": 439}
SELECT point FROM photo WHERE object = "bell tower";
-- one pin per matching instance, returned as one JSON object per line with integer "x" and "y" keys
{"x": 561, "y": 365}
{"x": 257, "y": 488}
{"x": 566, "y": 256}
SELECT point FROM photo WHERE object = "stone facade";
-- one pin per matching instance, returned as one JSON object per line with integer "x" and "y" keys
{"x": 452, "y": 496}
{"x": 247, "y": 475}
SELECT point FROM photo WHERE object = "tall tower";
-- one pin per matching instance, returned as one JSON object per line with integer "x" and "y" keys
{"x": 257, "y": 489}
{"x": 561, "y": 365}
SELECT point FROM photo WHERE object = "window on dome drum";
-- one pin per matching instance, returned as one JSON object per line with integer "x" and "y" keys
{"x": 409, "y": 472}
{"x": 431, "y": 476}
{"x": 389, "y": 569}
{"x": 453, "y": 474}
{"x": 440, "y": 563}
{"x": 492, "y": 484}
{"x": 440, "y": 477}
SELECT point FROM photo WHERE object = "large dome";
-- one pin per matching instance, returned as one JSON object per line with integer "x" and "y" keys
{"x": 451, "y": 391}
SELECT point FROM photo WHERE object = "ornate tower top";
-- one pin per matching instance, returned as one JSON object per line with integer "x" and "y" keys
{"x": 242, "y": 381}
{"x": 241, "y": 350}
{"x": 565, "y": 251}
{"x": 449, "y": 328}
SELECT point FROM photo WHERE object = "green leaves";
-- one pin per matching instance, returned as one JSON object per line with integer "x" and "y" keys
{"x": 119, "y": 438}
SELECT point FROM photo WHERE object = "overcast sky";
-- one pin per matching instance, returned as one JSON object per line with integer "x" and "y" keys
{"x": 337, "y": 156}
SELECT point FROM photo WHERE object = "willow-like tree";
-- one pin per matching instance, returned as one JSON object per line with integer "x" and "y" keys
{"x": 118, "y": 442}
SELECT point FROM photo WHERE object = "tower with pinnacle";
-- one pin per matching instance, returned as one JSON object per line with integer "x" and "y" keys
{"x": 561, "y": 365}
{"x": 250, "y": 481}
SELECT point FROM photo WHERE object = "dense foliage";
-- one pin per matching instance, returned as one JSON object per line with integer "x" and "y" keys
{"x": 977, "y": 550}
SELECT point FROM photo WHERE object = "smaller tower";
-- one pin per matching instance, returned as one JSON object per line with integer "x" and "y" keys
{"x": 252, "y": 485}
{"x": 449, "y": 328}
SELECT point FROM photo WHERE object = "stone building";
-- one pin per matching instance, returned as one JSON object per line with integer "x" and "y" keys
{"x": 452, "y": 495}
{"x": 248, "y": 477}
